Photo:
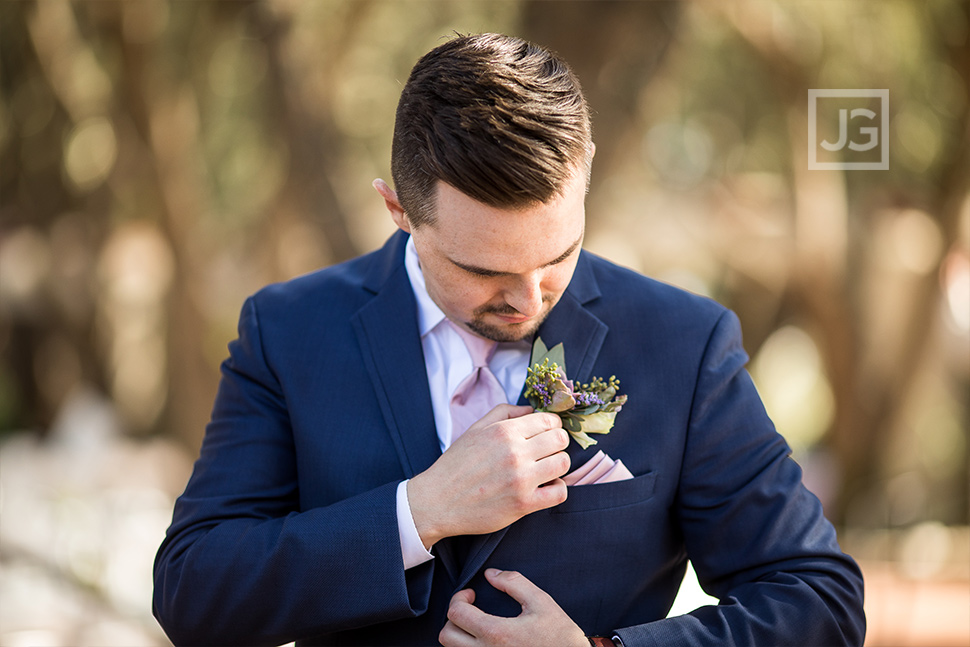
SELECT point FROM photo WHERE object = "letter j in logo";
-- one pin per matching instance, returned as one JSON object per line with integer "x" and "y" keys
{"x": 860, "y": 129}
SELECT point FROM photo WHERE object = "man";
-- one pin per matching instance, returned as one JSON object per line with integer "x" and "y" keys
{"x": 338, "y": 500}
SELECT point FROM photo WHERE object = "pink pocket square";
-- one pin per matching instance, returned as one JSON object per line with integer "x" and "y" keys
{"x": 598, "y": 469}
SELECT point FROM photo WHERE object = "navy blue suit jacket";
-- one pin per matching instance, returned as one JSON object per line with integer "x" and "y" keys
{"x": 287, "y": 529}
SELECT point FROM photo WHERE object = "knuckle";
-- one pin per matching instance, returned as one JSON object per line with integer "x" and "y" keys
{"x": 564, "y": 463}
{"x": 495, "y": 635}
{"x": 453, "y": 614}
{"x": 562, "y": 495}
{"x": 522, "y": 503}
{"x": 562, "y": 437}
{"x": 512, "y": 462}
{"x": 445, "y": 635}
{"x": 504, "y": 431}
{"x": 502, "y": 412}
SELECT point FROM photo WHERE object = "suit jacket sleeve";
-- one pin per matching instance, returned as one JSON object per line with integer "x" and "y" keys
{"x": 756, "y": 536}
{"x": 241, "y": 564}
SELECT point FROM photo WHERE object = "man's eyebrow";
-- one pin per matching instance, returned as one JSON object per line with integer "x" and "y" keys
{"x": 481, "y": 271}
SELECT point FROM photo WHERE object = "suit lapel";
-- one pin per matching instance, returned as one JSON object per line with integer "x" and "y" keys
{"x": 387, "y": 330}
{"x": 580, "y": 332}
{"x": 390, "y": 343}
{"x": 582, "y": 335}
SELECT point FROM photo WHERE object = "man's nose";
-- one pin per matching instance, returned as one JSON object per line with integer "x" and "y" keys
{"x": 526, "y": 296}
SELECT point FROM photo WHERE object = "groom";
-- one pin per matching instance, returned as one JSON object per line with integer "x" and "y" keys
{"x": 349, "y": 493}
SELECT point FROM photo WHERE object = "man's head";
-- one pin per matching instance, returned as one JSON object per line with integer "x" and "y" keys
{"x": 500, "y": 119}
{"x": 491, "y": 158}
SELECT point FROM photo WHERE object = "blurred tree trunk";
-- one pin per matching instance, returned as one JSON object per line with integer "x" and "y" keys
{"x": 311, "y": 135}
{"x": 47, "y": 336}
{"x": 615, "y": 48}
{"x": 824, "y": 290}
{"x": 165, "y": 114}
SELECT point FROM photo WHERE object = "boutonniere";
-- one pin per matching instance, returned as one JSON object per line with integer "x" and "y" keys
{"x": 584, "y": 408}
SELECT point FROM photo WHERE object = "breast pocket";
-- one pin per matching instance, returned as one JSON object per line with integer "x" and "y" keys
{"x": 605, "y": 496}
{"x": 619, "y": 531}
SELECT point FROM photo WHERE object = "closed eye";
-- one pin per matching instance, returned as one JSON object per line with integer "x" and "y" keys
{"x": 487, "y": 273}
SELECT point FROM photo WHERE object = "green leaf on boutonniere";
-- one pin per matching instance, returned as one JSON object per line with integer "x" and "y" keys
{"x": 597, "y": 423}
{"x": 584, "y": 409}
{"x": 556, "y": 355}
{"x": 539, "y": 352}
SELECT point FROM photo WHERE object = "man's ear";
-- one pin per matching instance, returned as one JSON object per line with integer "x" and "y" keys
{"x": 393, "y": 205}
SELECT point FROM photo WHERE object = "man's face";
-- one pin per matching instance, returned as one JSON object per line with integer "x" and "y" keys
{"x": 499, "y": 272}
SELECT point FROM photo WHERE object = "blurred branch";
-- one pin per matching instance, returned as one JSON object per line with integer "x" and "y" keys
{"x": 23, "y": 556}
{"x": 307, "y": 122}
{"x": 822, "y": 291}
{"x": 615, "y": 48}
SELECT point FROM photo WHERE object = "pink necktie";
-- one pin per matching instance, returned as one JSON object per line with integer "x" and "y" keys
{"x": 480, "y": 391}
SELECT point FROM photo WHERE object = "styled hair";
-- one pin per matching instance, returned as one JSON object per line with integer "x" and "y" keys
{"x": 500, "y": 119}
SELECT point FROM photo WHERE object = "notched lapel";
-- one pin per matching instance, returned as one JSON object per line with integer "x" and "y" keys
{"x": 570, "y": 323}
{"x": 387, "y": 330}
{"x": 581, "y": 334}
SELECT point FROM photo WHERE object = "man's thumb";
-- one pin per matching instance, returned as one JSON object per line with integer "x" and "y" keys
{"x": 516, "y": 585}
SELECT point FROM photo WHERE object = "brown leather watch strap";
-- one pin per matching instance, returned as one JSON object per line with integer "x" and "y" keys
{"x": 600, "y": 641}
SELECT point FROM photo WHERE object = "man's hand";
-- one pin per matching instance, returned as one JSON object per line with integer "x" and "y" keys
{"x": 507, "y": 465}
{"x": 541, "y": 623}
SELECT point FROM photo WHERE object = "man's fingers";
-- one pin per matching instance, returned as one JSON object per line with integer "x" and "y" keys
{"x": 525, "y": 420}
{"x": 542, "y": 621}
{"x": 552, "y": 467}
{"x": 465, "y": 595}
{"x": 499, "y": 413}
{"x": 548, "y": 442}
{"x": 551, "y": 494}
{"x": 453, "y": 636}
{"x": 464, "y": 615}
{"x": 518, "y": 587}
{"x": 502, "y": 412}
{"x": 540, "y": 422}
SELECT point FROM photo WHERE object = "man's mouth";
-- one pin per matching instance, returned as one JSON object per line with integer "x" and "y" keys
{"x": 513, "y": 319}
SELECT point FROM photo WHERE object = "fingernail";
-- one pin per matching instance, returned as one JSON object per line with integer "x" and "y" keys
{"x": 493, "y": 572}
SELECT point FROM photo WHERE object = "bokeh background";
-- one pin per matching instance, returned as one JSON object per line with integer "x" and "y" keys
{"x": 160, "y": 161}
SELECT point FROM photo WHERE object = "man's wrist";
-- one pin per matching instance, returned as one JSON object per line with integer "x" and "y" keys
{"x": 419, "y": 514}
{"x": 413, "y": 550}
{"x": 602, "y": 641}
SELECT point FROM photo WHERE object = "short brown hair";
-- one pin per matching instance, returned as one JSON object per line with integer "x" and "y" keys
{"x": 500, "y": 119}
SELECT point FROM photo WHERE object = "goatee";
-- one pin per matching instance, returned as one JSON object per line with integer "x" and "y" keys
{"x": 507, "y": 332}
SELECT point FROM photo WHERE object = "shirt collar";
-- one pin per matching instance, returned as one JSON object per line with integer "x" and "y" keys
{"x": 429, "y": 314}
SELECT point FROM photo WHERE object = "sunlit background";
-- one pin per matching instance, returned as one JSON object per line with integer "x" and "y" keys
{"x": 160, "y": 161}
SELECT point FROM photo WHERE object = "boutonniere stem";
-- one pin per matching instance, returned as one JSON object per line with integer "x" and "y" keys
{"x": 584, "y": 408}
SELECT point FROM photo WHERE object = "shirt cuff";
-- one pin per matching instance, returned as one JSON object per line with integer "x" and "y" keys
{"x": 412, "y": 548}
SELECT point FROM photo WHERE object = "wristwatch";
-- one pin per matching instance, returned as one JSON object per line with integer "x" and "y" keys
{"x": 602, "y": 641}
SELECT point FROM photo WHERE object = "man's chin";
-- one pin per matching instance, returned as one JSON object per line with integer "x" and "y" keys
{"x": 507, "y": 331}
